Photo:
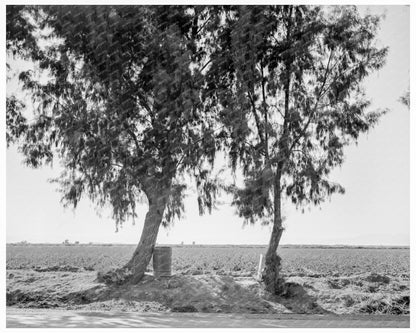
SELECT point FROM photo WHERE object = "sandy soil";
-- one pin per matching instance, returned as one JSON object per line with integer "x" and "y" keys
{"x": 60, "y": 289}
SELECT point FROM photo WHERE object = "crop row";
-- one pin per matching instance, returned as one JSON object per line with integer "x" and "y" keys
{"x": 307, "y": 261}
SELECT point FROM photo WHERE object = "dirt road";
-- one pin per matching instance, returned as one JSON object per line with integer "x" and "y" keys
{"x": 37, "y": 318}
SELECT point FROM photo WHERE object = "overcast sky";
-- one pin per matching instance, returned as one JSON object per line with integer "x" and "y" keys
{"x": 373, "y": 211}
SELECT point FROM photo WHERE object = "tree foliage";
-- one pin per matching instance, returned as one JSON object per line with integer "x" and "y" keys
{"x": 288, "y": 79}
{"x": 121, "y": 104}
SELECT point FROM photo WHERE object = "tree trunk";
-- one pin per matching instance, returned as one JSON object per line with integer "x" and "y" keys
{"x": 144, "y": 250}
{"x": 271, "y": 272}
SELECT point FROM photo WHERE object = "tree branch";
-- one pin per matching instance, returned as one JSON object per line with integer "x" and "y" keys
{"x": 134, "y": 137}
{"x": 303, "y": 131}
{"x": 266, "y": 136}
{"x": 203, "y": 25}
{"x": 257, "y": 119}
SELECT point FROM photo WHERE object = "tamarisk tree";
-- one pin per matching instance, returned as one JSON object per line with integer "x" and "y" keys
{"x": 289, "y": 83}
{"x": 116, "y": 97}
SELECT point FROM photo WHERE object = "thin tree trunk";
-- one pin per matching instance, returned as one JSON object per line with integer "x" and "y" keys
{"x": 144, "y": 250}
{"x": 271, "y": 274}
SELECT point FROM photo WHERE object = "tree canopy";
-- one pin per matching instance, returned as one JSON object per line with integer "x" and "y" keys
{"x": 121, "y": 105}
{"x": 289, "y": 82}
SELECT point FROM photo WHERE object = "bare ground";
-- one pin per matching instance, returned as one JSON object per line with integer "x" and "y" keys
{"x": 64, "y": 288}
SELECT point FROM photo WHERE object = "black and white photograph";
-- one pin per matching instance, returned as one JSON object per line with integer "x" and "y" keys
{"x": 194, "y": 165}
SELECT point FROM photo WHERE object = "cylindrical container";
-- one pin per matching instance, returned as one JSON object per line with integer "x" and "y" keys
{"x": 162, "y": 261}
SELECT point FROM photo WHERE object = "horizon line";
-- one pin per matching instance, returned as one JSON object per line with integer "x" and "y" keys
{"x": 217, "y": 244}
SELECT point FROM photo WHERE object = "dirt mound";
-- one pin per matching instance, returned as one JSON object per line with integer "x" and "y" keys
{"x": 195, "y": 293}
{"x": 208, "y": 293}
{"x": 179, "y": 293}
{"x": 47, "y": 289}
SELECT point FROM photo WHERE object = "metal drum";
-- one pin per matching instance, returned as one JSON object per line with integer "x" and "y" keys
{"x": 162, "y": 261}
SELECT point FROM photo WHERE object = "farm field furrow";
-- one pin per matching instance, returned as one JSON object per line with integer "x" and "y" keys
{"x": 306, "y": 261}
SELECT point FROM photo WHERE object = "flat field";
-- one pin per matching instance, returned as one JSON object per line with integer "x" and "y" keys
{"x": 296, "y": 260}
{"x": 214, "y": 279}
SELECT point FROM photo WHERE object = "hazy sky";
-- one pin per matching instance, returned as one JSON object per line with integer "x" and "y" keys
{"x": 374, "y": 210}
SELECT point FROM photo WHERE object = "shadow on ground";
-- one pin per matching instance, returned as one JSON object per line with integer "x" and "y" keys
{"x": 295, "y": 298}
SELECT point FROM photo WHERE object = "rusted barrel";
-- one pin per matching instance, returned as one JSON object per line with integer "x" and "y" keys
{"x": 162, "y": 261}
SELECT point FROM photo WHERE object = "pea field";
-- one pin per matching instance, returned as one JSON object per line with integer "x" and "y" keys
{"x": 226, "y": 259}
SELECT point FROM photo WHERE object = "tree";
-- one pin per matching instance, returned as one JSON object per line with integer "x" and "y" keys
{"x": 116, "y": 97}
{"x": 288, "y": 82}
